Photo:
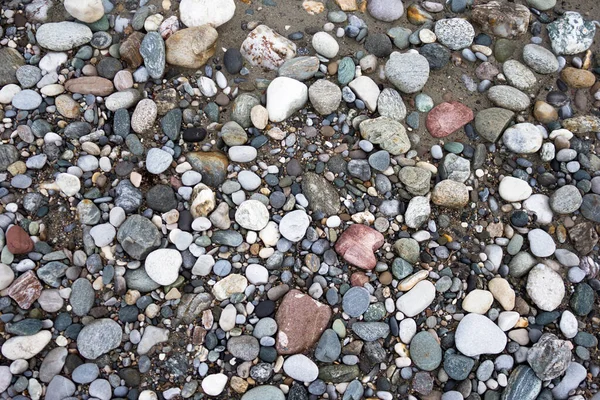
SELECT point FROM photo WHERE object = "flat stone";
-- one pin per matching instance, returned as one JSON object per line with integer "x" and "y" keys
{"x": 356, "y": 301}
{"x": 265, "y": 48}
{"x": 408, "y": 72}
{"x": 191, "y": 47}
{"x": 508, "y": 97}
{"x": 357, "y": 245}
{"x": 98, "y": 338}
{"x": 514, "y": 189}
{"x": 162, "y": 266}
{"x": 301, "y": 368}
{"x": 62, "y": 36}
{"x": 389, "y": 134}
{"x": 321, "y": 194}
{"x": 425, "y": 351}
{"x": 476, "y": 334}
{"x": 25, "y": 347}
{"x": 416, "y": 299}
{"x": 447, "y": 118}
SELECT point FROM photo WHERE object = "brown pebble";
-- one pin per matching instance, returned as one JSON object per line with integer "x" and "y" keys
{"x": 327, "y": 131}
{"x": 385, "y": 278}
{"x": 544, "y": 112}
{"x": 578, "y": 78}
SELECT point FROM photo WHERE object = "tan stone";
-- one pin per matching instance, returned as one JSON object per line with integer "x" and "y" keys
{"x": 192, "y": 47}
{"x": 578, "y": 78}
{"x": 95, "y": 85}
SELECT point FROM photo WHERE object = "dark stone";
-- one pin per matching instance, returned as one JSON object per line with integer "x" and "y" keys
{"x": 436, "y": 54}
{"x": 161, "y": 198}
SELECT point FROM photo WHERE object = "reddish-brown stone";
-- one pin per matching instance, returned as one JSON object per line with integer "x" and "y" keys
{"x": 357, "y": 245}
{"x": 358, "y": 279}
{"x": 301, "y": 321}
{"x": 130, "y": 50}
{"x": 95, "y": 85}
{"x": 25, "y": 290}
{"x": 18, "y": 241}
{"x": 447, "y": 118}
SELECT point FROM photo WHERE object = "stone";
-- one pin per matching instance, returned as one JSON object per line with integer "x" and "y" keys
{"x": 386, "y": 10}
{"x": 505, "y": 20}
{"x": 542, "y": 5}
{"x": 367, "y": 90}
{"x": 389, "y": 134}
{"x": 355, "y": 301}
{"x": 153, "y": 52}
{"x": 162, "y": 266}
{"x": 478, "y": 301}
{"x": 578, "y": 78}
{"x": 18, "y": 241}
{"x": 378, "y": 44}
{"x": 416, "y": 180}
{"x": 8, "y": 155}
{"x": 82, "y": 297}
{"x": 571, "y": 34}
{"x": 476, "y": 334}
{"x": 99, "y": 337}
{"x": 325, "y": 96}
{"x": 151, "y": 337}
{"x": 574, "y": 375}
{"x": 10, "y": 61}
{"x": 408, "y": 72}
{"x": 540, "y": 59}
{"x": 59, "y": 388}
{"x": 285, "y": 96}
{"x": 450, "y": 194}
{"x": 62, "y": 36}
{"x": 265, "y": 48}
{"x": 541, "y": 243}
{"x": 252, "y": 215}
{"x": 25, "y": 290}
{"x": 231, "y": 284}
{"x": 416, "y": 299}
{"x": 26, "y": 100}
{"x": 518, "y": 75}
{"x": 195, "y": 13}
{"x": 458, "y": 366}
{"x": 417, "y": 212}
{"x": 138, "y": 236}
{"x": 447, "y": 118}
{"x": 514, "y": 189}
{"x": 371, "y": 331}
{"x": 566, "y": 200}
{"x": 85, "y": 10}
{"x": 322, "y": 196}
{"x": 7, "y": 276}
{"x": 390, "y": 104}
{"x": 124, "y": 99}
{"x": 191, "y": 47}
{"x": 53, "y": 363}
{"x": 328, "y": 348}
{"x": 502, "y": 292}
{"x": 301, "y": 68}
{"x": 293, "y": 225}
{"x": 357, "y": 244}
{"x": 211, "y": 164}
{"x": 454, "y": 33}
{"x": 130, "y": 50}
{"x": 264, "y": 392}
{"x": 301, "y": 321}
{"x": 545, "y": 287}
{"x": 508, "y": 97}
{"x": 436, "y": 54}
{"x": 25, "y": 347}
{"x": 301, "y": 368}
{"x": 325, "y": 44}
{"x": 214, "y": 384}
{"x": 522, "y": 384}
{"x": 95, "y": 85}
{"x": 85, "y": 373}
{"x": 244, "y": 347}
{"x": 523, "y": 138}
{"x": 425, "y": 351}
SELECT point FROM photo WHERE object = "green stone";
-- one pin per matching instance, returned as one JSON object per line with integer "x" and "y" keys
{"x": 454, "y": 147}
{"x": 339, "y": 328}
{"x": 423, "y": 102}
{"x": 582, "y": 300}
{"x": 26, "y": 327}
{"x": 458, "y": 366}
{"x": 545, "y": 318}
{"x": 375, "y": 312}
{"x": 401, "y": 268}
{"x": 425, "y": 351}
{"x": 585, "y": 339}
{"x": 504, "y": 49}
{"x": 338, "y": 373}
{"x": 212, "y": 111}
{"x": 345, "y": 71}
{"x": 100, "y": 25}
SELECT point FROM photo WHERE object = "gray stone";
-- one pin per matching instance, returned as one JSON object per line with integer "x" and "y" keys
{"x": 324, "y": 96}
{"x": 389, "y": 134}
{"x": 321, "y": 194}
{"x": 264, "y": 392}
{"x": 152, "y": 50}
{"x": 59, "y": 388}
{"x": 571, "y": 34}
{"x": 409, "y": 72}
{"x": 129, "y": 198}
{"x": 8, "y": 155}
{"x": 522, "y": 385}
{"x": 454, "y": 33}
{"x": 242, "y": 107}
{"x": 10, "y": 61}
{"x": 574, "y": 375}
{"x": 386, "y": 10}
{"x": 491, "y": 122}
{"x": 508, "y": 97}
{"x": 416, "y": 180}
{"x": 425, "y": 351}
{"x": 27, "y": 100}
{"x": 370, "y": 331}
{"x": 518, "y": 75}
{"x": 85, "y": 373}
{"x": 98, "y": 338}
{"x": 566, "y": 200}
{"x": 300, "y": 68}
{"x": 540, "y": 59}
{"x": 53, "y": 363}
{"x": 62, "y": 36}
{"x": 523, "y": 138}
{"x": 328, "y": 348}
{"x": 549, "y": 357}
{"x": 138, "y": 236}
{"x": 244, "y": 347}
{"x": 356, "y": 301}
{"x": 456, "y": 168}
{"x": 390, "y": 104}
{"x": 82, "y": 297}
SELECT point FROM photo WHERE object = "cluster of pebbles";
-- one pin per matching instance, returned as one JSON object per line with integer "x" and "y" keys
{"x": 305, "y": 215}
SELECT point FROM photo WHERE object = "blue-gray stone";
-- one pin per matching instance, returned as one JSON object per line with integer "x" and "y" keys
{"x": 152, "y": 50}
{"x": 425, "y": 351}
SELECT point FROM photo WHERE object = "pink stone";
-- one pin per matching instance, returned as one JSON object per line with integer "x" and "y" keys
{"x": 301, "y": 321}
{"x": 25, "y": 290}
{"x": 447, "y": 118}
{"x": 357, "y": 245}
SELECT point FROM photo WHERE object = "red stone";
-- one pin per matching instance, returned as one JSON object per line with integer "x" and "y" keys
{"x": 301, "y": 321}
{"x": 25, "y": 290}
{"x": 447, "y": 118}
{"x": 358, "y": 279}
{"x": 18, "y": 241}
{"x": 357, "y": 245}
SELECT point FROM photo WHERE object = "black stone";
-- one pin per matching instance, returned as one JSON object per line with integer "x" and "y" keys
{"x": 194, "y": 135}
{"x": 161, "y": 198}
{"x": 233, "y": 60}
{"x": 436, "y": 54}
{"x": 265, "y": 308}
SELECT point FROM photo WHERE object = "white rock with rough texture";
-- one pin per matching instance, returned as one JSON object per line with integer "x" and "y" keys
{"x": 25, "y": 347}
{"x": 514, "y": 189}
{"x": 214, "y": 384}
{"x": 478, "y": 301}
{"x": 545, "y": 287}
{"x": 202, "y": 12}
{"x": 301, "y": 368}
{"x": 203, "y": 265}
{"x": 477, "y": 334}
{"x": 270, "y": 234}
{"x": 234, "y": 283}
{"x": 524, "y": 138}
{"x": 416, "y": 299}
{"x": 85, "y": 10}
{"x": 325, "y": 44}
{"x": 408, "y": 329}
{"x": 252, "y": 214}
{"x": 265, "y": 48}
{"x": 367, "y": 90}
{"x": 162, "y": 266}
{"x": 285, "y": 96}
{"x": 293, "y": 225}
{"x": 158, "y": 161}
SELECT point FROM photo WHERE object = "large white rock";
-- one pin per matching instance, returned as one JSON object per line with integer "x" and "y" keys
{"x": 68, "y": 184}
{"x": 285, "y": 96}
{"x": 514, "y": 189}
{"x": 202, "y": 12}
{"x": 416, "y": 299}
{"x": 214, "y": 384}
{"x": 234, "y": 283}
{"x": 301, "y": 368}
{"x": 293, "y": 225}
{"x": 25, "y": 347}
{"x": 252, "y": 214}
{"x": 162, "y": 266}
{"x": 325, "y": 44}
{"x": 85, "y": 10}
{"x": 524, "y": 138}
{"x": 265, "y": 48}
{"x": 545, "y": 287}
{"x": 257, "y": 274}
{"x": 367, "y": 90}
{"x": 477, "y": 334}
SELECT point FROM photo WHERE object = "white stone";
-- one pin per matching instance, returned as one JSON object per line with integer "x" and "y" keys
{"x": 7, "y": 276}
{"x": 539, "y": 204}
{"x": 293, "y": 225}
{"x": 568, "y": 324}
{"x": 257, "y": 274}
{"x": 270, "y": 234}
{"x": 301, "y": 368}
{"x": 201, "y": 224}
{"x": 103, "y": 234}
{"x": 249, "y": 180}
{"x": 514, "y": 189}
{"x": 242, "y": 154}
{"x": 203, "y": 265}
{"x": 85, "y": 10}
{"x": 252, "y": 214}
{"x": 478, "y": 301}
{"x": 541, "y": 243}
{"x": 158, "y": 161}
{"x": 477, "y": 334}
{"x": 408, "y": 329}
{"x": 202, "y": 12}
{"x": 265, "y": 48}
{"x": 524, "y": 138}
{"x": 325, "y": 44}
{"x": 25, "y": 347}
{"x": 152, "y": 336}
{"x": 5, "y": 378}
{"x": 207, "y": 86}
{"x": 285, "y": 96}
{"x": 545, "y": 287}
{"x": 68, "y": 184}
{"x": 416, "y": 299}
{"x": 367, "y": 90}
{"x": 162, "y": 266}
{"x": 8, "y": 92}
{"x": 214, "y": 384}
{"x": 507, "y": 320}
{"x": 227, "y": 318}
{"x": 234, "y": 283}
